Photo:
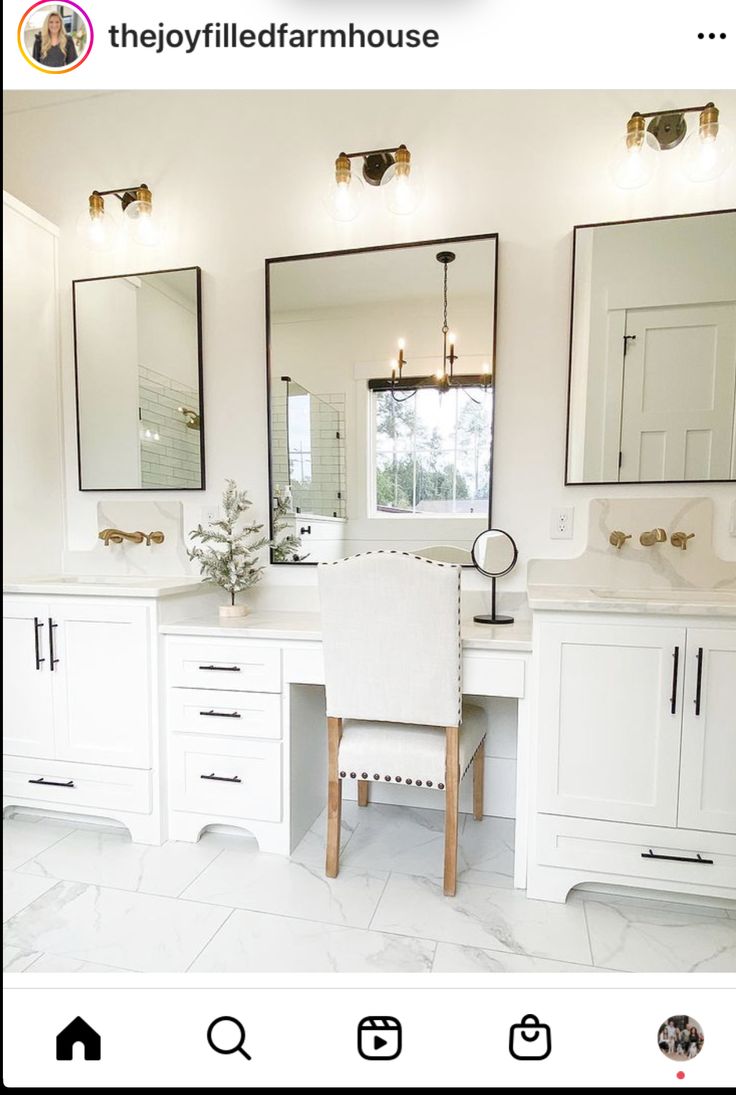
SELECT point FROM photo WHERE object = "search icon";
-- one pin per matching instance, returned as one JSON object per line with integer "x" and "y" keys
{"x": 232, "y": 1040}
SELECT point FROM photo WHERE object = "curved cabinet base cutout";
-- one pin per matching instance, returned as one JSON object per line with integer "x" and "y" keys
{"x": 143, "y": 828}
{"x": 271, "y": 836}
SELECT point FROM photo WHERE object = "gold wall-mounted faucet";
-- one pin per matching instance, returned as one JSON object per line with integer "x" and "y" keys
{"x": 653, "y": 536}
{"x": 680, "y": 539}
{"x": 116, "y": 536}
{"x": 617, "y": 539}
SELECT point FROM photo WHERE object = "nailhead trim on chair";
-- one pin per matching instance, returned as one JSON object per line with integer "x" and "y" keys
{"x": 406, "y": 779}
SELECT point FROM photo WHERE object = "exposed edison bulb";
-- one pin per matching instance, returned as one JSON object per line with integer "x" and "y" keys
{"x": 402, "y": 187}
{"x": 635, "y": 156}
{"x": 344, "y": 196}
{"x": 94, "y": 226}
{"x": 142, "y": 223}
{"x": 709, "y": 150}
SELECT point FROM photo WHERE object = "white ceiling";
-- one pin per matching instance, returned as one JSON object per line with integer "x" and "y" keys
{"x": 16, "y": 101}
{"x": 407, "y": 273}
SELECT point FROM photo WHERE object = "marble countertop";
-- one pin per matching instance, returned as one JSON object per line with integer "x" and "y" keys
{"x": 670, "y": 602}
{"x": 305, "y": 626}
{"x": 89, "y": 585}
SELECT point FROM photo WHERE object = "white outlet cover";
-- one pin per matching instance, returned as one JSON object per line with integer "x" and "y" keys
{"x": 561, "y": 523}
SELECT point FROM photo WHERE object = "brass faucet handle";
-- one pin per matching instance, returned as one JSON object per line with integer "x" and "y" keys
{"x": 617, "y": 538}
{"x": 653, "y": 536}
{"x": 680, "y": 539}
{"x": 110, "y": 535}
{"x": 155, "y": 538}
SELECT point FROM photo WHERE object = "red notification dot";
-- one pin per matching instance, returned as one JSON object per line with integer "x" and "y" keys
{"x": 680, "y": 1075}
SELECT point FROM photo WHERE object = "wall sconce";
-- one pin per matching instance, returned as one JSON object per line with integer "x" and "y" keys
{"x": 707, "y": 152}
{"x": 98, "y": 228}
{"x": 191, "y": 418}
{"x": 388, "y": 168}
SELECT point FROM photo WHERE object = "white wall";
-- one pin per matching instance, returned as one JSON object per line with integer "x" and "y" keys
{"x": 240, "y": 176}
{"x": 32, "y": 472}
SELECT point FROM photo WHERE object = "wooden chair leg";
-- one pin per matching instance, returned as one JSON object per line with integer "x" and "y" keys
{"x": 479, "y": 768}
{"x": 452, "y": 791}
{"x": 362, "y": 792}
{"x": 334, "y": 797}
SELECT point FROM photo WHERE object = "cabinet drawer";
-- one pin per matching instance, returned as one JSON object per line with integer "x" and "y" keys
{"x": 487, "y": 675}
{"x": 224, "y": 776}
{"x": 68, "y": 784}
{"x": 609, "y": 847}
{"x": 228, "y": 666}
{"x": 228, "y": 714}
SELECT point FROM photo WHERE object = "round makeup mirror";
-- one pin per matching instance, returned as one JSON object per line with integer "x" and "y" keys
{"x": 494, "y": 554}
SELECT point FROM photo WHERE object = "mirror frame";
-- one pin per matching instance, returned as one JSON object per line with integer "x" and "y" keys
{"x": 614, "y": 482}
{"x": 360, "y": 251}
{"x": 200, "y": 375}
{"x": 512, "y": 564}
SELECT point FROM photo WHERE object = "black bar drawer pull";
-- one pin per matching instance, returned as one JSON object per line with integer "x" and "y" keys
{"x": 223, "y": 779}
{"x": 699, "y": 680}
{"x": 51, "y": 782}
{"x": 37, "y": 625}
{"x": 675, "y": 668}
{"x": 221, "y": 714}
{"x": 677, "y": 858}
{"x": 221, "y": 668}
{"x": 54, "y": 659}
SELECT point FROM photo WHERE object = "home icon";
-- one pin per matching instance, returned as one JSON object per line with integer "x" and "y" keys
{"x": 78, "y": 1031}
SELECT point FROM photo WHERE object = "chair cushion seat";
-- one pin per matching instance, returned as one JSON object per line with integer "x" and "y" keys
{"x": 404, "y": 752}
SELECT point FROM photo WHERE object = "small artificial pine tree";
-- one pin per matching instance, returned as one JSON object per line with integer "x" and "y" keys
{"x": 285, "y": 550}
{"x": 230, "y": 556}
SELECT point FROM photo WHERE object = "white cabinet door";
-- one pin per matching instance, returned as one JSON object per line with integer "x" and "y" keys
{"x": 28, "y": 724}
{"x": 102, "y": 683}
{"x": 610, "y": 708}
{"x": 708, "y": 763}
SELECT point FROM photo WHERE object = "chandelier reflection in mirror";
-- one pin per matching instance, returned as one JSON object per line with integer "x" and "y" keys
{"x": 391, "y": 169}
{"x": 706, "y": 153}
{"x": 444, "y": 377}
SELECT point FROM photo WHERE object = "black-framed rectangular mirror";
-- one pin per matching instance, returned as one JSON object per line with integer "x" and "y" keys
{"x": 381, "y": 369}
{"x": 138, "y": 373}
{"x": 652, "y": 385}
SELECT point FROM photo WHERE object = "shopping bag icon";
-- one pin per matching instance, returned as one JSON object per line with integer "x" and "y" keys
{"x": 530, "y": 1040}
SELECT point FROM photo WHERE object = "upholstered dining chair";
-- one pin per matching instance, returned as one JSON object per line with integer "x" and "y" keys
{"x": 393, "y": 680}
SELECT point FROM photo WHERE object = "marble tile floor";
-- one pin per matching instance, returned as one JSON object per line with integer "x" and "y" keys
{"x": 89, "y": 900}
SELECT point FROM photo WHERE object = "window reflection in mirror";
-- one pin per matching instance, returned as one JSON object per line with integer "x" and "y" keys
{"x": 138, "y": 357}
{"x": 652, "y": 394}
{"x": 356, "y": 462}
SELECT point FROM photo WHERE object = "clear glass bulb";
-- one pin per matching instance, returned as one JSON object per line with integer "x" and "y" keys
{"x": 95, "y": 230}
{"x": 344, "y": 199}
{"x": 402, "y": 191}
{"x": 707, "y": 152}
{"x": 142, "y": 224}
{"x": 634, "y": 164}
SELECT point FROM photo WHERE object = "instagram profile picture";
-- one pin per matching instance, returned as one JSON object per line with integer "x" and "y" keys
{"x": 680, "y": 1038}
{"x": 55, "y": 38}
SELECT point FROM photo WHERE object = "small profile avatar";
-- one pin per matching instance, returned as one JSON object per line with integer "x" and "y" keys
{"x": 55, "y": 37}
{"x": 680, "y": 1038}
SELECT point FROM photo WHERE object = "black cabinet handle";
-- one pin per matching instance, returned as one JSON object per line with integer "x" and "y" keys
{"x": 677, "y": 858}
{"x": 221, "y": 668}
{"x": 54, "y": 659}
{"x": 51, "y": 782}
{"x": 699, "y": 680}
{"x": 305, "y": 530}
{"x": 223, "y": 779}
{"x": 221, "y": 714}
{"x": 675, "y": 668}
{"x": 37, "y": 625}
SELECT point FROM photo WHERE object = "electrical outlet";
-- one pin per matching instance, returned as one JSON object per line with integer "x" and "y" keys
{"x": 210, "y": 514}
{"x": 561, "y": 523}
